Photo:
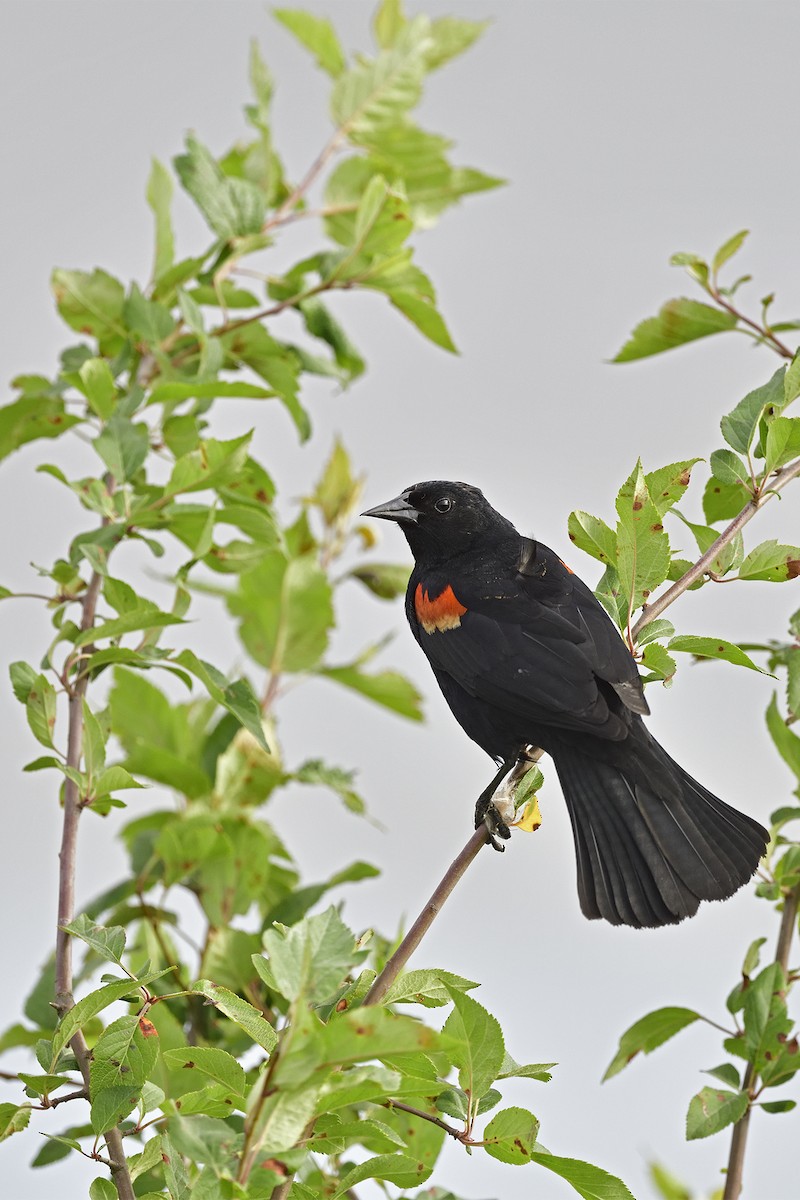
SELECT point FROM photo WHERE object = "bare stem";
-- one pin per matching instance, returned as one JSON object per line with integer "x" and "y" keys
{"x": 735, "y": 1168}
{"x": 292, "y": 200}
{"x": 425, "y": 919}
{"x": 458, "y": 1134}
{"x": 765, "y": 334}
{"x": 703, "y": 563}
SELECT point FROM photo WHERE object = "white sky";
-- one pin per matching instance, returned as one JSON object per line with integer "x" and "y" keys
{"x": 628, "y": 131}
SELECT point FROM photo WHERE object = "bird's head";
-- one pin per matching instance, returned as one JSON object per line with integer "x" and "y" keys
{"x": 442, "y": 519}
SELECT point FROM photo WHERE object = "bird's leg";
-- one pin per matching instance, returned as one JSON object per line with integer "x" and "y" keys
{"x": 494, "y": 807}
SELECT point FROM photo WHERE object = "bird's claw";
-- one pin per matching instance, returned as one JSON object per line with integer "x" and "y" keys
{"x": 486, "y": 813}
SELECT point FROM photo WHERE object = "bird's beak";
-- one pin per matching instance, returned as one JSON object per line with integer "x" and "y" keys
{"x": 399, "y": 510}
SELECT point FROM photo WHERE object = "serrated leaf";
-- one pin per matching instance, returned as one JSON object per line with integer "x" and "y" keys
{"x": 726, "y": 1073}
{"x": 729, "y": 248}
{"x": 98, "y": 383}
{"x": 210, "y": 1061}
{"x": 400, "y": 1169}
{"x": 667, "y": 484}
{"x": 30, "y": 418}
{"x": 144, "y": 617}
{"x": 317, "y": 34}
{"x": 244, "y": 1014}
{"x": 783, "y": 442}
{"x": 739, "y": 426}
{"x": 705, "y": 647}
{"x": 238, "y": 697}
{"x": 511, "y": 1135}
{"x": 123, "y": 447}
{"x": 315, "y": 771}
{"x": 786, "y": 741}
{"x": 678, "y": 322}
{"x": 593, "y": 1183}
{"x": 159, "y": 198}
{"x": 592, "y": 535}
{"x": 388, "y": 688}
{"x": 312, "y": 958}
{"x": 771, "y": 561}
{"x": 376, "y": 93}
{"x": 712, "y": 1109}
{"x": 232, "y": 207}
{"x": 426, "y": 987}
{"x": 102, "y": 1189}
{"x": 91, "y": 304}
{"x": 108, "y": 942}
{"x": 285, "y": 610}
{"x": 386, "y": 580}
{"x": 476, "y": 1043}
{"x": 648, "y": 1034}
{"x": 93, "y": 1004}
{"x": 39, "y": 697}
{"x": 212, "y": 464}
{"x": 13, "y": 1119}
{"x": 643, "y": 556}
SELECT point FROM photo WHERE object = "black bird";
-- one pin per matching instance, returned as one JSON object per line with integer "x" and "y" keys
{"x": 526, "y": 656}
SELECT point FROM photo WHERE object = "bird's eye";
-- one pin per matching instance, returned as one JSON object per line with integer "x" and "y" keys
{"x": 443, "y": 504}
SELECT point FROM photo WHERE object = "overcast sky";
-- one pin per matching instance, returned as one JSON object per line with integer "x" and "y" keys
{"x": 628, "y": 131}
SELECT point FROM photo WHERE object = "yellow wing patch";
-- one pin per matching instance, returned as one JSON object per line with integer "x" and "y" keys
{"x": 439, "y": 614}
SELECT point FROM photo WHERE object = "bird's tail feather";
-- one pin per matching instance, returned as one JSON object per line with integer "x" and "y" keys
{"x": 652, "y": 843}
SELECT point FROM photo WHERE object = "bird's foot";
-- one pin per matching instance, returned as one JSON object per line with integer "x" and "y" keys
{"x": 487, "y": 814}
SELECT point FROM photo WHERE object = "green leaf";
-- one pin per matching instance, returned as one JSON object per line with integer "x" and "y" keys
{"x": 281, "y": 1119}
{"x": 244, "y": 1014}
{"x": 98, "y": 383}
{"x": 739, "y": 426}
{"x": 210, "y": 389}
{"x": 678, "y": 322}
{"x": 451, "y": 36}
{"x": 159, "y": 198}
{"x": 39, "y": 697}
{"x": 367, "y": 1033}
{"x": 285, "y": 611}
{"x": 212, "y": 464}
{"x": 642, "y": 545}
{"x": 13, "y": 1119}
{"x": 724, "y": 501}
{"x": 94, "y": 746}
{"x": 317, "y": 35}
{"x": 729, "y": 468}
{"x": 787, "y": 742}
{"x": 667, "y": 484}
{"x": 779, "y": 1106}
{"x": 729, "y": 248}
{"x": 593, "y": 1183}
{"x": 275, "y": 363}
{"x": 206, "y": 1060}
{"x": 91, "y": 304}
{"x": 712, "y": 1109}
{"x": 315, "y": 771}
{"x": 231, "y": 207}
{"x": 424, "y": 314}
{"x": 310, "y": 959}
{"x": 728, "y": 557}
{"x": 648, "y": 1034}
{"x": 123, "y": 447}
{"x": 655, "y": 629}
{"x": 108, "y": 942}
{"x": 237, "y": 697}
{"x": 386, "y": 580}
{"x": 771, "y": 561}
{"x": 658, "y": 662}
{"x": 93, "y": 1004}
{"x": 102, "y": 1189}
{"x": 148, "y": 320}
{"x": 476, "y": 1043}
{"x": 783, "y": 442}
{"x": 511, "y": 1135}
{"x": 30, "y": 418}
{"x": 726, "y": 1073}
{"x": 705, "y": 647}
{"x": 592, "y": 535}
{"x": 122, "y": 1058}
{"x": 388, "y": 688}
{"x": 147, "y": 616}
{"x": 399, "y": 1169}
{"x": 426, "y": 987}
{"x": 791, "y": 380}
{"x": 374, "y": 94}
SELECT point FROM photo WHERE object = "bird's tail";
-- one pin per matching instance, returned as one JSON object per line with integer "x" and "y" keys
{"x": 651, "y": 842}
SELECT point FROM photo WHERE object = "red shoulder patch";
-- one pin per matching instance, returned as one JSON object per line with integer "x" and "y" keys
{"x": 439, "y": 614}
{"x": 566, "y": 568}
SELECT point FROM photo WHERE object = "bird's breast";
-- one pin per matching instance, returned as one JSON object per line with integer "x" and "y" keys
{"x": 439, "y": 613}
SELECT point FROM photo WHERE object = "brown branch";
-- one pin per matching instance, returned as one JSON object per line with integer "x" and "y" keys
{"x": 294, "y": 197}
{"x": 703, "y": 563}
{"x": 458, "y": 1134}
{"x": 765, "y": 334}
{"x": 735, "y": 1168}
{"x": 63, "y": 1001}
{"x": 425, "y": 919}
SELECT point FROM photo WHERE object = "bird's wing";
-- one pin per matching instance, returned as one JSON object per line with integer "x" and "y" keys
{"x": 535, "y": 643}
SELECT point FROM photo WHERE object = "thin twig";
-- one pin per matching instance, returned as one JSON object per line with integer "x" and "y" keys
{"x": 765, "y": 334}
{"x": 425, "y": 919}
{"x": 458, "y": 1134}
{"x": 728, "y": 534}
{"x": 735, "y": 1168}
{"x": 294, "y": 197}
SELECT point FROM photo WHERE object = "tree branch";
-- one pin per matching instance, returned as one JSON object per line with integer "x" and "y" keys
{"x": 700, "y": 568}
{"x": 765, "y": 334}
{"x": 66, "y": 894}
{"x": 426, "y": 918}
{"x": 735, "y": 1168}
{"x": 458, "y": 1134}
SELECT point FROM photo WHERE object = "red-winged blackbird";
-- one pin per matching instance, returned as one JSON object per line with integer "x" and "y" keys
{"x": 526, "y": 656}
